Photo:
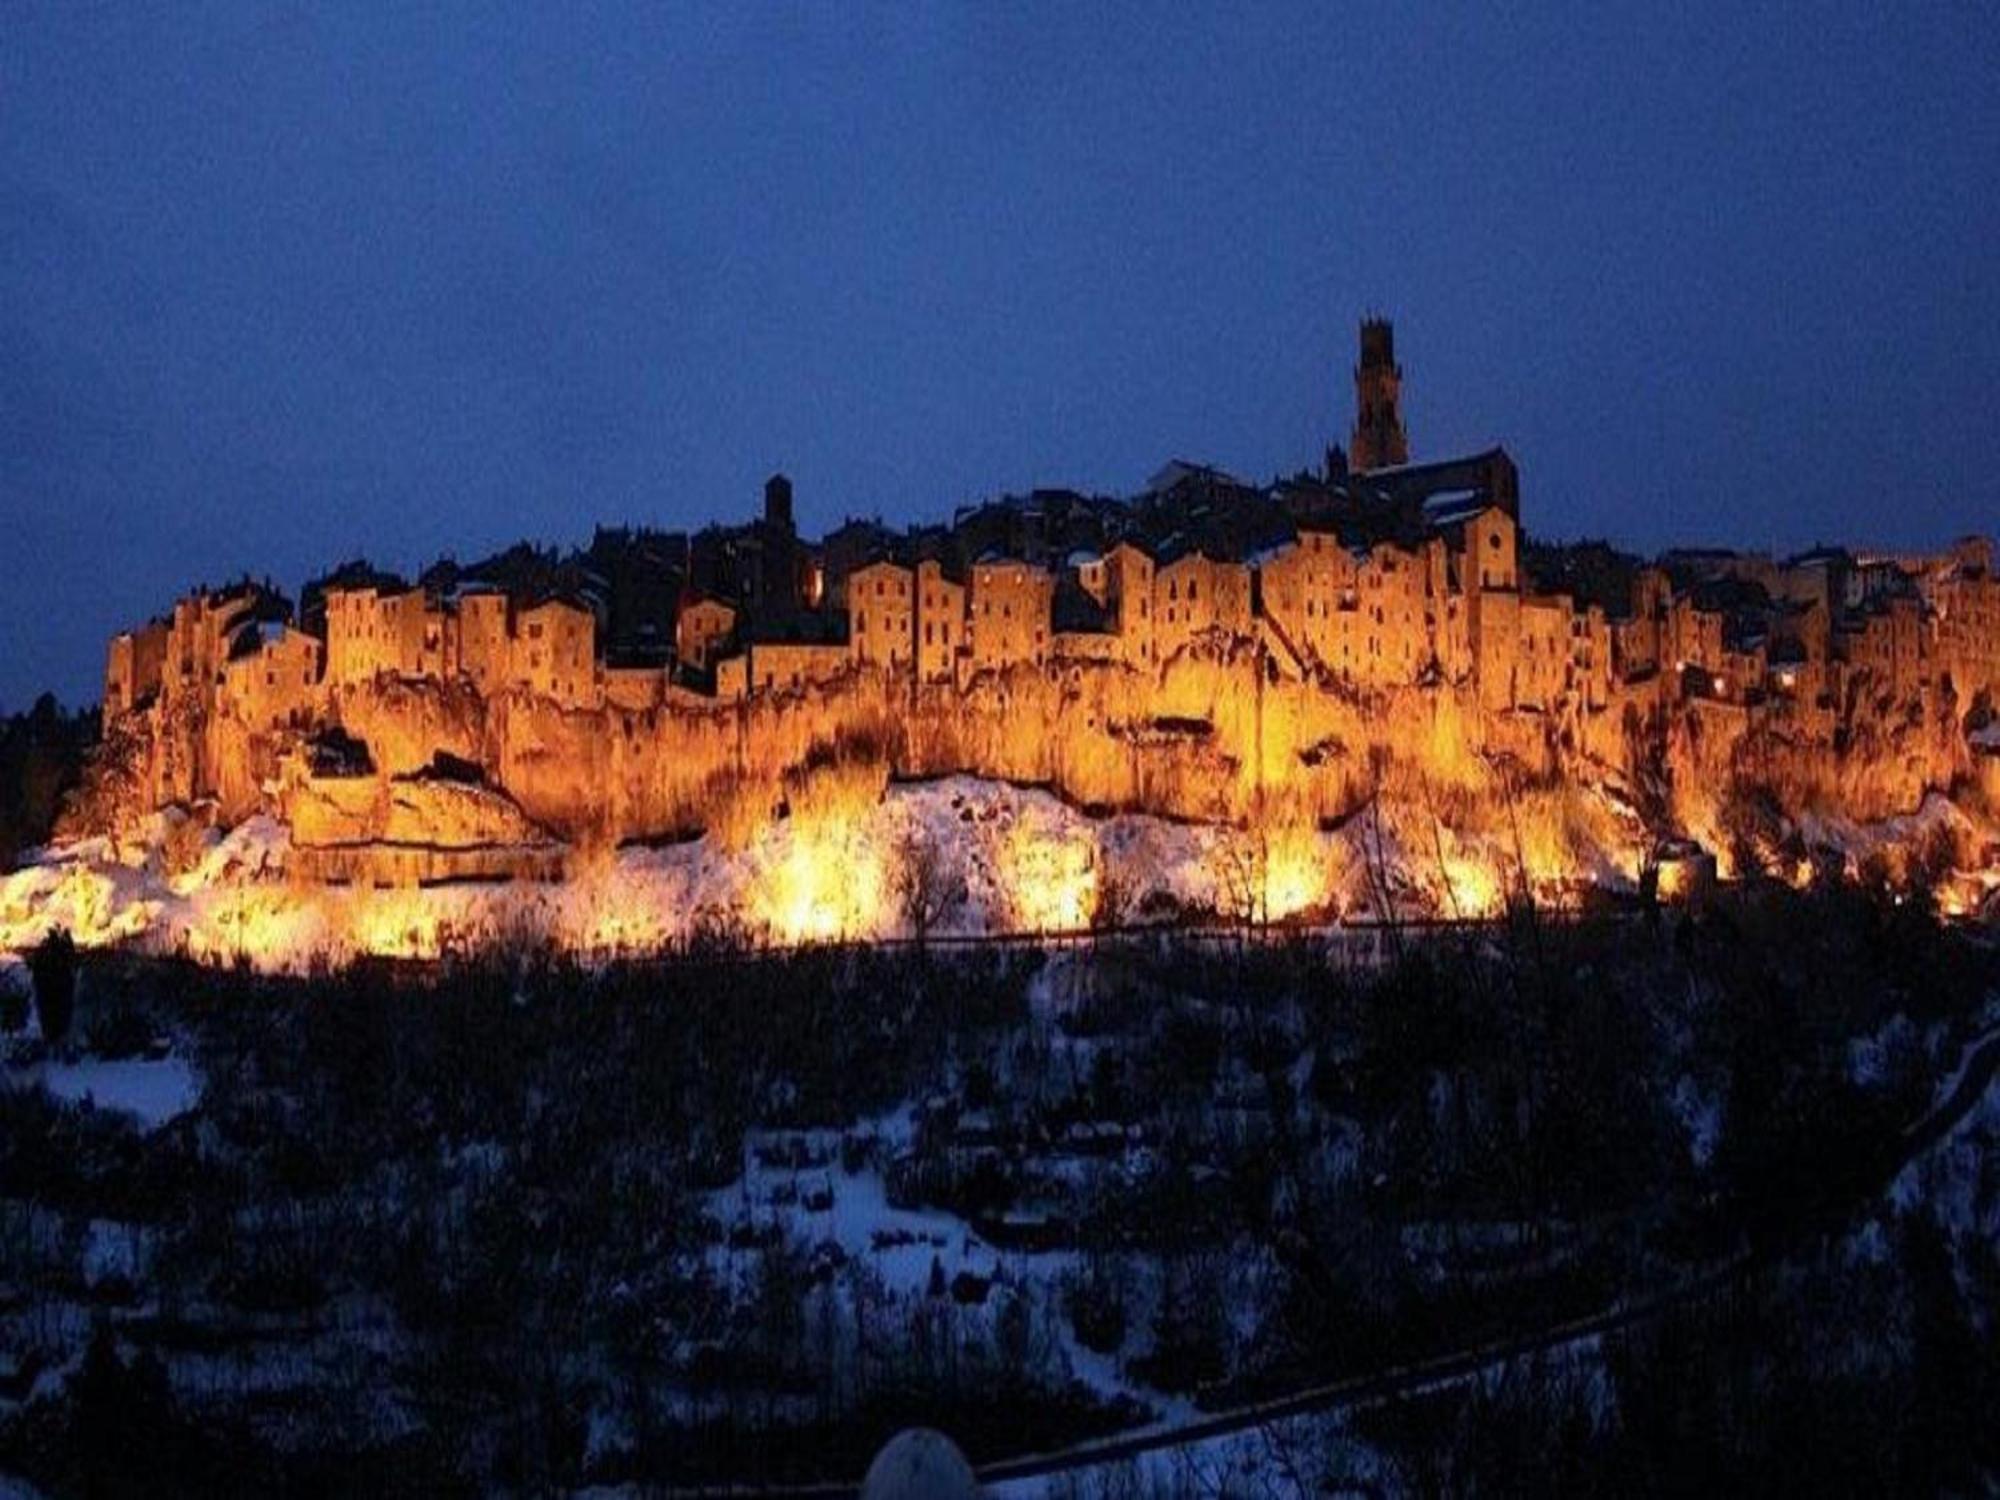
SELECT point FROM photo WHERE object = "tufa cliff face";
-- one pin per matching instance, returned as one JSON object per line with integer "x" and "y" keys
{"x": 1223, "y": 731}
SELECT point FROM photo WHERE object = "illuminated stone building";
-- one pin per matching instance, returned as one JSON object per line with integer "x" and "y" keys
{"x": 882, "y": 616}
{"x": 701, "y": 626}
{"x": 272, "y": 676}
{"x": 1009, "y": 614}
{"x": 941, "y": 622}
{"x": 135, "y": 666}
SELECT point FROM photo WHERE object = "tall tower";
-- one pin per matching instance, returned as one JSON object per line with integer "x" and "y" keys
{"x": 778, "y": 503}
{"x": 1379, "y": 440}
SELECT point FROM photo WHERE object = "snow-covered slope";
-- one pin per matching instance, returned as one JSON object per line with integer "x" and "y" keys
{"x": 990, "y": 858}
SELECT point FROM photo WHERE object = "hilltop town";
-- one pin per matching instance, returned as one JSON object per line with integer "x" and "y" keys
{"x": 1208, "y": 648}
{"x": 1280, "y": 782}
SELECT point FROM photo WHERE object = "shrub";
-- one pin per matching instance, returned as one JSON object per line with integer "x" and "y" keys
{"x": 121, "y": 1031}
{"x": 53, "y": 965}
{"x": 13, "y": 1009}
{"x": 1190, "y": 1343}
{"x": 837, "y": 784}
{"x": 1095, "y": 1303}
{"x": 182, "y": 845}
{"x": 927, "y": 890}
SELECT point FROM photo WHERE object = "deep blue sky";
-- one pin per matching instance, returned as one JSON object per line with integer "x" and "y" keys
{"x": 283, "y": 285}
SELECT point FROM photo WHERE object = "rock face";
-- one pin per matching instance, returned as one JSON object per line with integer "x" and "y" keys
{"x": 1988, "y": 776}
{"x": 1223, "y": 731}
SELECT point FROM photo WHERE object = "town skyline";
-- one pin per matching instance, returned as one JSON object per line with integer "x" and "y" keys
{"x": 918, "y": 518}
{"x": 279, "y": 292}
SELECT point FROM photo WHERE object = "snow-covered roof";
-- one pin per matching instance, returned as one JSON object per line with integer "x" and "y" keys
{"x": 1175, "y": 470}
{"x": 1262, "y": 556}
{"x": 1408, "y": 470}
{"x": 1450, "y": 507}
{"x": 252, "y": 636}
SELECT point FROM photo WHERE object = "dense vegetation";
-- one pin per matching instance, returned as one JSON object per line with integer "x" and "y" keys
{"x": 435, "y": 1230}
{"x": 41, "y": 759}
{"x": 1846, "y": 1374}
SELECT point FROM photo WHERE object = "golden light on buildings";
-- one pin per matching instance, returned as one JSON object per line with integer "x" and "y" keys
{"x": 1500, "y": 735}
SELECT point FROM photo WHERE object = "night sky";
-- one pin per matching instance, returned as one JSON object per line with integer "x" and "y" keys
{"x": 281, "y": 286}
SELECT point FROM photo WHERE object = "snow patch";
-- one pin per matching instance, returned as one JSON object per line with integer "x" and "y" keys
{"x": 152, "y": 1090}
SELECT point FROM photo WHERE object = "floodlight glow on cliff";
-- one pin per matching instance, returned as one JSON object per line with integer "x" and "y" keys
{"x": 1296, "y": 878}
{"x": 1474, "y": 888}
{"x": 825, "y": 885}
{"x": 1050, "y": 880}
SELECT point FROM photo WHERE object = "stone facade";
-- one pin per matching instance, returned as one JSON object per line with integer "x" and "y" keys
{"x": 1010, "y": 615}
{"x": 882, "y": 616}
{"x": 790, "y": 666}
{"x": 135, "y": 666}
{"x": 273, "y": 679}
{"x": 700, "y": 629}
{"x": 942, "y": 626}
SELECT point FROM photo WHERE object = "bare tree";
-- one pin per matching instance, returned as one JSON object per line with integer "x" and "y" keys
{"x": 1241, "y": 857}
{"x": 926, "y": 887}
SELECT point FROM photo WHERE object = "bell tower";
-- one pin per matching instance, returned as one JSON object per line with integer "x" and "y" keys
{"x": 1379, "y": 440}
{"x": 778, "y": 503}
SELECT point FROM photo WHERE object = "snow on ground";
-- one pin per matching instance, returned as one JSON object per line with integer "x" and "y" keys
{"x": 1007, "y": 859}
{"x": 1276, "y": 1458}
{"x": 1699, "y": 1110}
{"x": 854, "y": 1213}
{"x": 1010, "y": 859}
{"x": 1957, "y": 1180}
{"x": 152, "y": 1090}
{"x": 794, "y": 1183}
{"x": 1965, "y": 892}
